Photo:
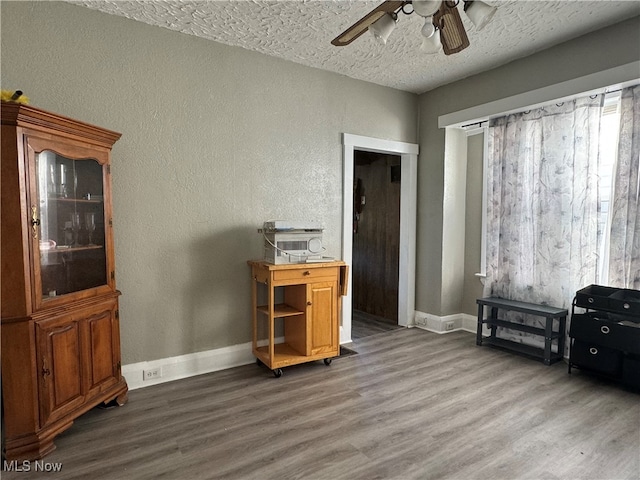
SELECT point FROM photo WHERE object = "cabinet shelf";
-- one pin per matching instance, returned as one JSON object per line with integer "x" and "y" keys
{"x": 72, "y": 249}
{"x": 522, "y": 348}
{"x": 73, "y": 200}
{"x": 520, "y": 327}
{"x": 280, "y": 310}
{"x": 285, "y": 355}
{"x": 281, "y": 352}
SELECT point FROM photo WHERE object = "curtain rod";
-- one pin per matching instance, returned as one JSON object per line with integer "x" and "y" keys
{"x": 476, "y": 124}
{"x": 480, "y": 123}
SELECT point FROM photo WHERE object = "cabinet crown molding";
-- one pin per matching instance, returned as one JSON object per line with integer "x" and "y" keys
{"x": 26, "y": 116}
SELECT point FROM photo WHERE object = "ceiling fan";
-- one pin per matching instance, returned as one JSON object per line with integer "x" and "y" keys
{"x": 442, "y": 27}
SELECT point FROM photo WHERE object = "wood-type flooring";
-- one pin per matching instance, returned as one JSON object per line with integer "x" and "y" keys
{"x": 410, "y": 405}
{"x": 364, "y": 325}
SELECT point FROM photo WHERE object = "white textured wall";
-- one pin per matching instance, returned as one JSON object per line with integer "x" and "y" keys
{"x": 473, "y": 224}
{"x": 216, "y": 140}
{"x": 453, "y": 231}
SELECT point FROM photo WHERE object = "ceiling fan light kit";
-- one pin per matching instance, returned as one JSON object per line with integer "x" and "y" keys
{"x": 428, "y": 29}
{"x": 443, "y": 27}
{"x": 383, "y": 27}
{"x": 426, "y": 8}
{"x": 479, "y": 13}
{"x": 432, "y": 44}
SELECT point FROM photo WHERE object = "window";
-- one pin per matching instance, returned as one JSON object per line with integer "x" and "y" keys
{"x": 609, "y": 133}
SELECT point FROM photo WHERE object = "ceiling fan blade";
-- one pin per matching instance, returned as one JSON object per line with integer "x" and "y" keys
{"x": 452, "y": 33}
{"x": 361, "y": 26}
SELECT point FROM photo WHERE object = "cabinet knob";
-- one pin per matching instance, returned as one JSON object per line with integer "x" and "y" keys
{"x": 45, "y": 371}
{"x": 307, "y": 272}
{"x": 309, "y": 303}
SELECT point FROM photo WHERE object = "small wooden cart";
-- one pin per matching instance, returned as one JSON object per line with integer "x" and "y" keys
{"x": 301, "y": 304}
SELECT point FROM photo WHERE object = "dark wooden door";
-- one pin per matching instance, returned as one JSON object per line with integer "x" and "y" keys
{"x": 376, "y": 236}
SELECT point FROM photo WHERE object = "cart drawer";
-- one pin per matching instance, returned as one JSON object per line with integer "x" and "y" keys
{"x": 596, "y": 357}
{"x": 589, "y": 328}
{"x": 305, "y": 274}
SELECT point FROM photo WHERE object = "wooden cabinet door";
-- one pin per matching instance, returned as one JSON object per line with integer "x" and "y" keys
{"x": 323, "y": 317}
{"x": 101, "y": 343}
{"x": 59, "y": 367}
{"x": 71, "y": 234}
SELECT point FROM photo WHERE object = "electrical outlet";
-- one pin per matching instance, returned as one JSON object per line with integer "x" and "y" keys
{"x": 152, "y": 373}
{"x": 421, "y": 321}
{"x": 448, "y": 326}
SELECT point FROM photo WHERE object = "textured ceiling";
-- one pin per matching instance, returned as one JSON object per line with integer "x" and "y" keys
{"x": 301, "y": 31}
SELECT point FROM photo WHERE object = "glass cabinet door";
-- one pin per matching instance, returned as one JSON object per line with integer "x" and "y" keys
{"x": 69, "y": 224}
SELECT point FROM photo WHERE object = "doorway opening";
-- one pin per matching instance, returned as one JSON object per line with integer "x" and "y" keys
{"x": 408, "y": 154}
{"x": 376, "y": 243}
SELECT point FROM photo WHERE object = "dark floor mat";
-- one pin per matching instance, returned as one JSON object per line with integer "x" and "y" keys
{"x": 347, "y": 352}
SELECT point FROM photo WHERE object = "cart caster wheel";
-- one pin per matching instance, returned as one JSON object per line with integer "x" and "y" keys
{"x": 327, "y": 361}
{"x": 277, "y": 372}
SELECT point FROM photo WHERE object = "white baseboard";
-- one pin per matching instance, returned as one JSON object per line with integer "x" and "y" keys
{"x": 445, "y": 324}
{"x": 469, "y": 323}
{"x": 189, "y": 365}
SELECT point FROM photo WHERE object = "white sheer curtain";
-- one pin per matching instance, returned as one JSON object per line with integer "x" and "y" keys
{"x": 624, "y": 234}
{"x": 542, "y": 201}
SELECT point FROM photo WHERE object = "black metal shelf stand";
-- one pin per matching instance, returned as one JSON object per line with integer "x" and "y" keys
{"x": 546, "y": 354}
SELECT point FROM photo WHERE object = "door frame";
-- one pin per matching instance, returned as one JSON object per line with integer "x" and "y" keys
{"x": 408, "y": 153}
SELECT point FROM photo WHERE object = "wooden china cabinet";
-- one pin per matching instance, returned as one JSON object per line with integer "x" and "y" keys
{"x": 60, "y": 326}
